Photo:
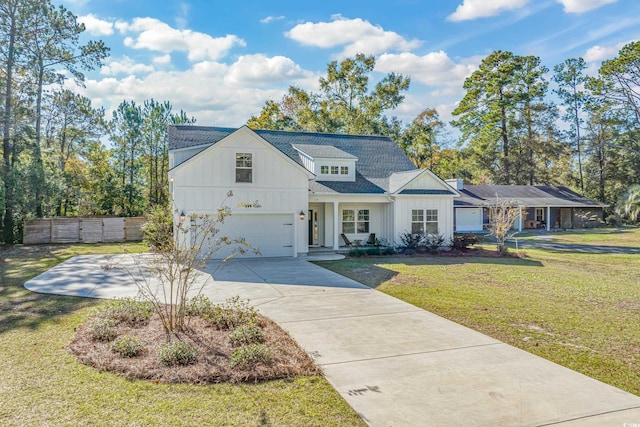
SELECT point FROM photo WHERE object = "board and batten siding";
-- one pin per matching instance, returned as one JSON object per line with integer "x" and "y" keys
{"x": 279, "y": 186}
{"x": 405, "y": 204}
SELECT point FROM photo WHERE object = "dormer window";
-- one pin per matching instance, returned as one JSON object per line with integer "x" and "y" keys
{"x": 324, "y": 170}
{"x": 344, "y": 170}
{"x": 244, "y": 167}
{"x": 334, "y": 170}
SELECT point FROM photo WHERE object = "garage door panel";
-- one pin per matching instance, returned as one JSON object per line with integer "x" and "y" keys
{"x": 272, "y": 234}
{"x": 469, "y": 219}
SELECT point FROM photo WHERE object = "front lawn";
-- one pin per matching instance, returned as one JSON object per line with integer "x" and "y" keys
{"x": 621, "y": 237}
{"x": 43, "y": 384}
{"x": 579, "y": 310}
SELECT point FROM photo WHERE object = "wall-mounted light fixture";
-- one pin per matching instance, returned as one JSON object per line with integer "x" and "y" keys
{"x": 183, "y": 216}
{"x": 301, "y": 214}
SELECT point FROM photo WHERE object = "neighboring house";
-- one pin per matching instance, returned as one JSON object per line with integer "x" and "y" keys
{"x": 544, "y": 207}
{"x": 310, "y": 188}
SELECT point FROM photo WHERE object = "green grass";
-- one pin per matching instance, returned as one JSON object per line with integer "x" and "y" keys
{"x": 43, "y": 384}
{"x": 579, "y": 310}
{"x": 621, "y": 237}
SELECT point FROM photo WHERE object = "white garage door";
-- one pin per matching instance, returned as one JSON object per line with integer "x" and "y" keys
{"x": 272, "y": 234}
{"x": 468, "y": 219}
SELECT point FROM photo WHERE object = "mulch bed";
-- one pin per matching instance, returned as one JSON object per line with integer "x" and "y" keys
{"x": 214, "y": 352}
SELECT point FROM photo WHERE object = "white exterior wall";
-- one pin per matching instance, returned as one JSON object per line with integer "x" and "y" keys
{"x": 350, "y": 177}
{"x": 279, "y": 185}
{"x": 404, "y": 205}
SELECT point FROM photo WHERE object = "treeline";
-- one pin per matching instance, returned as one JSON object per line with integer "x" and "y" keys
{"x": 56, "y": 159}
{"x": 62, "y": 156}
{"x": 517, "y": 125}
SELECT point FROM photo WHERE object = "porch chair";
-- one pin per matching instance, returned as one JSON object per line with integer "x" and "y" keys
{"x": 347, "y": 242}
{"x": 372, "y": 239}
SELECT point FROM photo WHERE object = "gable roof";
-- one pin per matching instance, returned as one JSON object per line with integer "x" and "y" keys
{"x": 378, "y": 156}
{"x": 528, "y": 195}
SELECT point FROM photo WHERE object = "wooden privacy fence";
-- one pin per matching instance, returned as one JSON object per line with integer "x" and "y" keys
{"x": 87, "y": 230}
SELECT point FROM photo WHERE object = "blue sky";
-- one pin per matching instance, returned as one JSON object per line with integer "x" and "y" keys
{"x": 220, "y": 61}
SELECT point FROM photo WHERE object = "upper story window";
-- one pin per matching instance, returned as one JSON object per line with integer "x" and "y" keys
{"x": 244, "y": 167}
{"x": 334, "y": 170}
{"x": 324, "y": 170}
{"x": 424, "y": 221}
{"x": 344, "y": 170}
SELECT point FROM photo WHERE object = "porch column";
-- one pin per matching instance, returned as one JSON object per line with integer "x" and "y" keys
{"x": 520, "y": 218}
{"x": 548, "y": 218}
{"x": 336, "y": 236}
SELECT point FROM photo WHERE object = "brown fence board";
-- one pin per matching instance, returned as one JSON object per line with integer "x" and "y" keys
{"x": 89, "y": 230}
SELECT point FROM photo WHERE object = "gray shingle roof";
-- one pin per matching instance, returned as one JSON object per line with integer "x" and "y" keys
{"x": 378, "y": 156}
{"x": 485, "y": 195}
{"x": 323, "y": 152}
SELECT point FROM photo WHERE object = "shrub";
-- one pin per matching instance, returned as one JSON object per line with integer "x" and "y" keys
{"x": 462, "y": 242}
{"x": 128, "y": 310}
{"x": 249, "y": 355}
{"x": 198, "y": 305}
{"x": 231, "y": 314}
{"x": 614, "y": 220}
{"x": 157, "y": 232}
{"x": 388, "y": 250}
{"x": 103, "y": 328}
{"x": 126, "y": 346}
{"x": 177, "y": 353}
{"x": 246, "y": 334}
{"x": 410, "y": 241}
{"x": 372, "y": 251}
{"x": 356, "y": 252}
{"x": 433, "y": 242}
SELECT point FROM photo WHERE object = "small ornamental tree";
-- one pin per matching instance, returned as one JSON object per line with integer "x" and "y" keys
{"x": 502, "y": 216}
{"x": 172, "y": 274}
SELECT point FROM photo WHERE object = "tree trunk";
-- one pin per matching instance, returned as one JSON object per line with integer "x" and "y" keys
{"x": 7, "y": 169}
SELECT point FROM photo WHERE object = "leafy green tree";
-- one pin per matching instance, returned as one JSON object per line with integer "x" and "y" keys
{"x": 156, "y": 116}
{"x": 344, "y": 103}
{"x": 570, "y": 78}
{"x": 420, "y": 140}
{"x": 484, "y": 113}
{"x": 53, "y": 50}
{"x": 628, "y": 205}
{"x": 126, "y": 134}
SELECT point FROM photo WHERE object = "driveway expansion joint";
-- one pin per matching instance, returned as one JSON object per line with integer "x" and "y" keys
{"x": 586, "y": 417}
{"x": 354, "y": 316}
{"x": 410, "y": 354}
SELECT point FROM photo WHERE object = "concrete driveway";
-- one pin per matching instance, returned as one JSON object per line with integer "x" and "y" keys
{"x": 395, "y": 364}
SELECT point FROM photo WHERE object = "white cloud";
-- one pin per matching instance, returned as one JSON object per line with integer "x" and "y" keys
{"x": 601, "y": 53}
{"x": 261, "y": 70}
{"x": 473, "y": 9}
{"x": 213, "y": 92}
{"x": 158, "y": 36}
{"x": 124, "y": 66}
{"x": 356, "y": 35}
{"x": 580, "y": 6}
{"x": 161, "y": 60}
{"x": 269, "y": 19}
{"x": 96, "y": 26}
{"x": 435, "y": 69}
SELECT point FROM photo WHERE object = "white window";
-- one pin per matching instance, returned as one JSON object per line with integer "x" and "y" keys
{"x": 539, "y": 215}
{"x": 334, "y": 170}
{"x": 244, "y": 167}
{"x": 324, "y": 170}
{"x": 424, "y": 221}
{"x": 355, "y": 221}
{"x": 344, "y": 170}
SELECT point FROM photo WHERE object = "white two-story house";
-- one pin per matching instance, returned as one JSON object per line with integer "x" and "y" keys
{"x": 296, "y": 190}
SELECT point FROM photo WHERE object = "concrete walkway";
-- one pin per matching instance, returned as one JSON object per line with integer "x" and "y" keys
{"x": 395, "y": 364}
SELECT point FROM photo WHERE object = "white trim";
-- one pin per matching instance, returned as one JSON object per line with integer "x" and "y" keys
{"x": 443, "y": 184}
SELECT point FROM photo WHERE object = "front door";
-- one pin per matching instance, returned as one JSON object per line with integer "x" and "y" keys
{"x": 314, "y": 234}
{"x": 565, "y": 218}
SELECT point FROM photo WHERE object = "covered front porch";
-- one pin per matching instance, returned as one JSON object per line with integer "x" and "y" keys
{"x": 343, "y": 223}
